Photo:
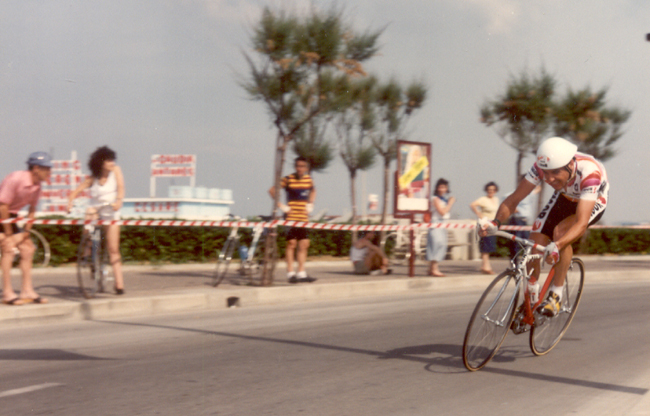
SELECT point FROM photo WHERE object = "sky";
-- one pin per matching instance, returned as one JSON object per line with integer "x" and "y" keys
{"x": 162, "y": 77}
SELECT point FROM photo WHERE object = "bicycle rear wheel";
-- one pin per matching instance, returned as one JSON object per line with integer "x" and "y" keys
{"x": 490, "y": 321}
{"x": 223, "y": 261}
{"x": 42, "y": 252}
{"x": 547, "y": 332}
{"x": 87, "y": 264}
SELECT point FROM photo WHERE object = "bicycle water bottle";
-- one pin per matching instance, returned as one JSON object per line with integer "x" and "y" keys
{"x": 533, "y": 291}
{"x": 243, "y": 253}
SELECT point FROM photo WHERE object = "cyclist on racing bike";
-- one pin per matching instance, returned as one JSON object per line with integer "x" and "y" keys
{"x": 580, "y": 198}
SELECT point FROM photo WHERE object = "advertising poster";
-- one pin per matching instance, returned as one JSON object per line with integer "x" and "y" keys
{"x": 413, "y": 178}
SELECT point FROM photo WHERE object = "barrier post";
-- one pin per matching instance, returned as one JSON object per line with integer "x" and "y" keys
{"x": 412, "y": 247}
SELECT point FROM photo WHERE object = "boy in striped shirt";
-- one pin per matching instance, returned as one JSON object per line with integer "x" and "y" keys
{"x": 301, "y": 194}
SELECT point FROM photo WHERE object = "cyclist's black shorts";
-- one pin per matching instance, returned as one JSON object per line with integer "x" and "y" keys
{"x": 558, "y": 208}
{"x": 295, "y": 233}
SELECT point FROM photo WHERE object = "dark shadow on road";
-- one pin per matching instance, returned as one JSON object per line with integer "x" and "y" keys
{"x": 62, "y": 292}
{"x": 44, "y": 355}
{"x": 450, "y": 356}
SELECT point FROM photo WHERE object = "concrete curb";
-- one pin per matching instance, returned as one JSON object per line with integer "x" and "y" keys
{"x": 202, "y": 299}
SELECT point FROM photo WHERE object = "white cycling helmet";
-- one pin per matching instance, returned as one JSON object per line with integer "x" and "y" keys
{"x": 555, "y": 153}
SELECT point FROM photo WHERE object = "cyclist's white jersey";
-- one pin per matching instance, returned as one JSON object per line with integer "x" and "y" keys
{"x": 589, "y": 183}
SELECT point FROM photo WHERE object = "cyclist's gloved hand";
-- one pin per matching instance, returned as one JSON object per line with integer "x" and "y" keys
{"x": 487, "y": 227}
{"x": 284, "y": 208}
{"x": 551, "y": 254}
{"x": 309, "y": 208}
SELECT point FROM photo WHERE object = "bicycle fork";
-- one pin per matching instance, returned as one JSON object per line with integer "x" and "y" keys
{"x": 501, "y": 321}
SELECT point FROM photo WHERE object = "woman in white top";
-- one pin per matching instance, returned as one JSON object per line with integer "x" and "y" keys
{"x": 106, "y": 186}
{"x": 437, "y": 237}
{"x": 486, "y": 207}
{"x": 367, "y": 257}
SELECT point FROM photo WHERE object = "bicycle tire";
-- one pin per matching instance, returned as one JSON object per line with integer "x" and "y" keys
{"x": 545, "y": 336}
{"x": 87, "y": 264}
{"x": 223, "y": 261}
{"x": 42, "y": 252}
{"x": 490, "y": 321}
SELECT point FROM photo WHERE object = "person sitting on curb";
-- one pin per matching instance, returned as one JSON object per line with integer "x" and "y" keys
{"x": 366, "y": 257}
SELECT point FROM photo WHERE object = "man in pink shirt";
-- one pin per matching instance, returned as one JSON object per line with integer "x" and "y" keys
{"x": 17, "y": 190}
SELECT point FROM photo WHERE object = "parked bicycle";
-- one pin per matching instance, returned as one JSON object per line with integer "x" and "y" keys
{"x": 252, "y": 258}
{"x": 397, "y": 245}
{"x": 93, "y": 267}
{"x": 496, "y": 311}
{"x": 42, "y": 252}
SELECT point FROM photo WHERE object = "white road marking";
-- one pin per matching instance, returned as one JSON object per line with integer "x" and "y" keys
{"x": 29, "y": 389}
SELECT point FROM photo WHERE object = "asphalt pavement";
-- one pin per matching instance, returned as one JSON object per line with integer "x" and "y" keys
{"x": 159, "y": 289}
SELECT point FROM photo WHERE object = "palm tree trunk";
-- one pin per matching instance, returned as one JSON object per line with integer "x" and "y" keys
{"x": 386, "y": 185}
{"x": 353, "y": 199}
{"x": 270, "y": 248}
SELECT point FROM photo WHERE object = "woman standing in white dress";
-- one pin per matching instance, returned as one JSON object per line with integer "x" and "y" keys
{"x": 437, "y": 237}
{"x": 106, "y": 186}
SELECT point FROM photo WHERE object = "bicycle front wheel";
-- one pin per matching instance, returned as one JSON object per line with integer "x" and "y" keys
{"x": 87, "y": 264}
{"x": 223, "y": 261}
{"x": 547, "y": 332}
{"x": 490, "y": 321}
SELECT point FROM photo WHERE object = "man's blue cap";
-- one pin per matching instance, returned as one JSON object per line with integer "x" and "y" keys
{"x": 40, "y": 159}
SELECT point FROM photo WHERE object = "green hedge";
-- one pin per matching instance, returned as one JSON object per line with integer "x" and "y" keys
{"x": 180, "y": 244}
{"x": 602, "y": 241}
{"x": 200, "y": 244}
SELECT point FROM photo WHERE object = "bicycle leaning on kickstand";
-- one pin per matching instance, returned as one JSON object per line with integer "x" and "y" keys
{"x": 252, "y": 258}
{"x": 93, "y": 272}
{"x": 496, "y": 311}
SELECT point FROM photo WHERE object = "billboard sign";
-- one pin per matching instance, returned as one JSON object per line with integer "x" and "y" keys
{"x": 413, "y": 177}
{"x": 171, "y": 166}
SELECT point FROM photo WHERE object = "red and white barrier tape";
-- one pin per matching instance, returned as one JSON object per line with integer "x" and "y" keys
{"x": 271, "y": 224}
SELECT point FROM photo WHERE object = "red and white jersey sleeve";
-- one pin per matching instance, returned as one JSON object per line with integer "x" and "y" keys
{"x": 590, "y": 181}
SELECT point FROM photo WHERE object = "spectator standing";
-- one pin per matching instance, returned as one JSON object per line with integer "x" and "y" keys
{"x": 17, "y": 190}
{"x": 486, "y": 207}
{"x": 366, "y": 257}
{"x": 301, "y": 195}
{"x": 437, "y": 237}
{"x": 106, "y": 185}
{"x": 522, "y": 215}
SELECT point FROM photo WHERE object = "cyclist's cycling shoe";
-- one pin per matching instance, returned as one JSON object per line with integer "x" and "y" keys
{"x": 551, "y": 306}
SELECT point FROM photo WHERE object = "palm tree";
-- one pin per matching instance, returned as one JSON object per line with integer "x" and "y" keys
{"x": 523, "y": 115}
{"x": 394, "y": 105}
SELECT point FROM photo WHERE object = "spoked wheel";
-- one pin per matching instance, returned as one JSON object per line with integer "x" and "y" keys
{"x": 547, "y": 332}
{"x": 87, "y": 264}
{"x": 223, "y": 261}
{"x": 490, "y": 321}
